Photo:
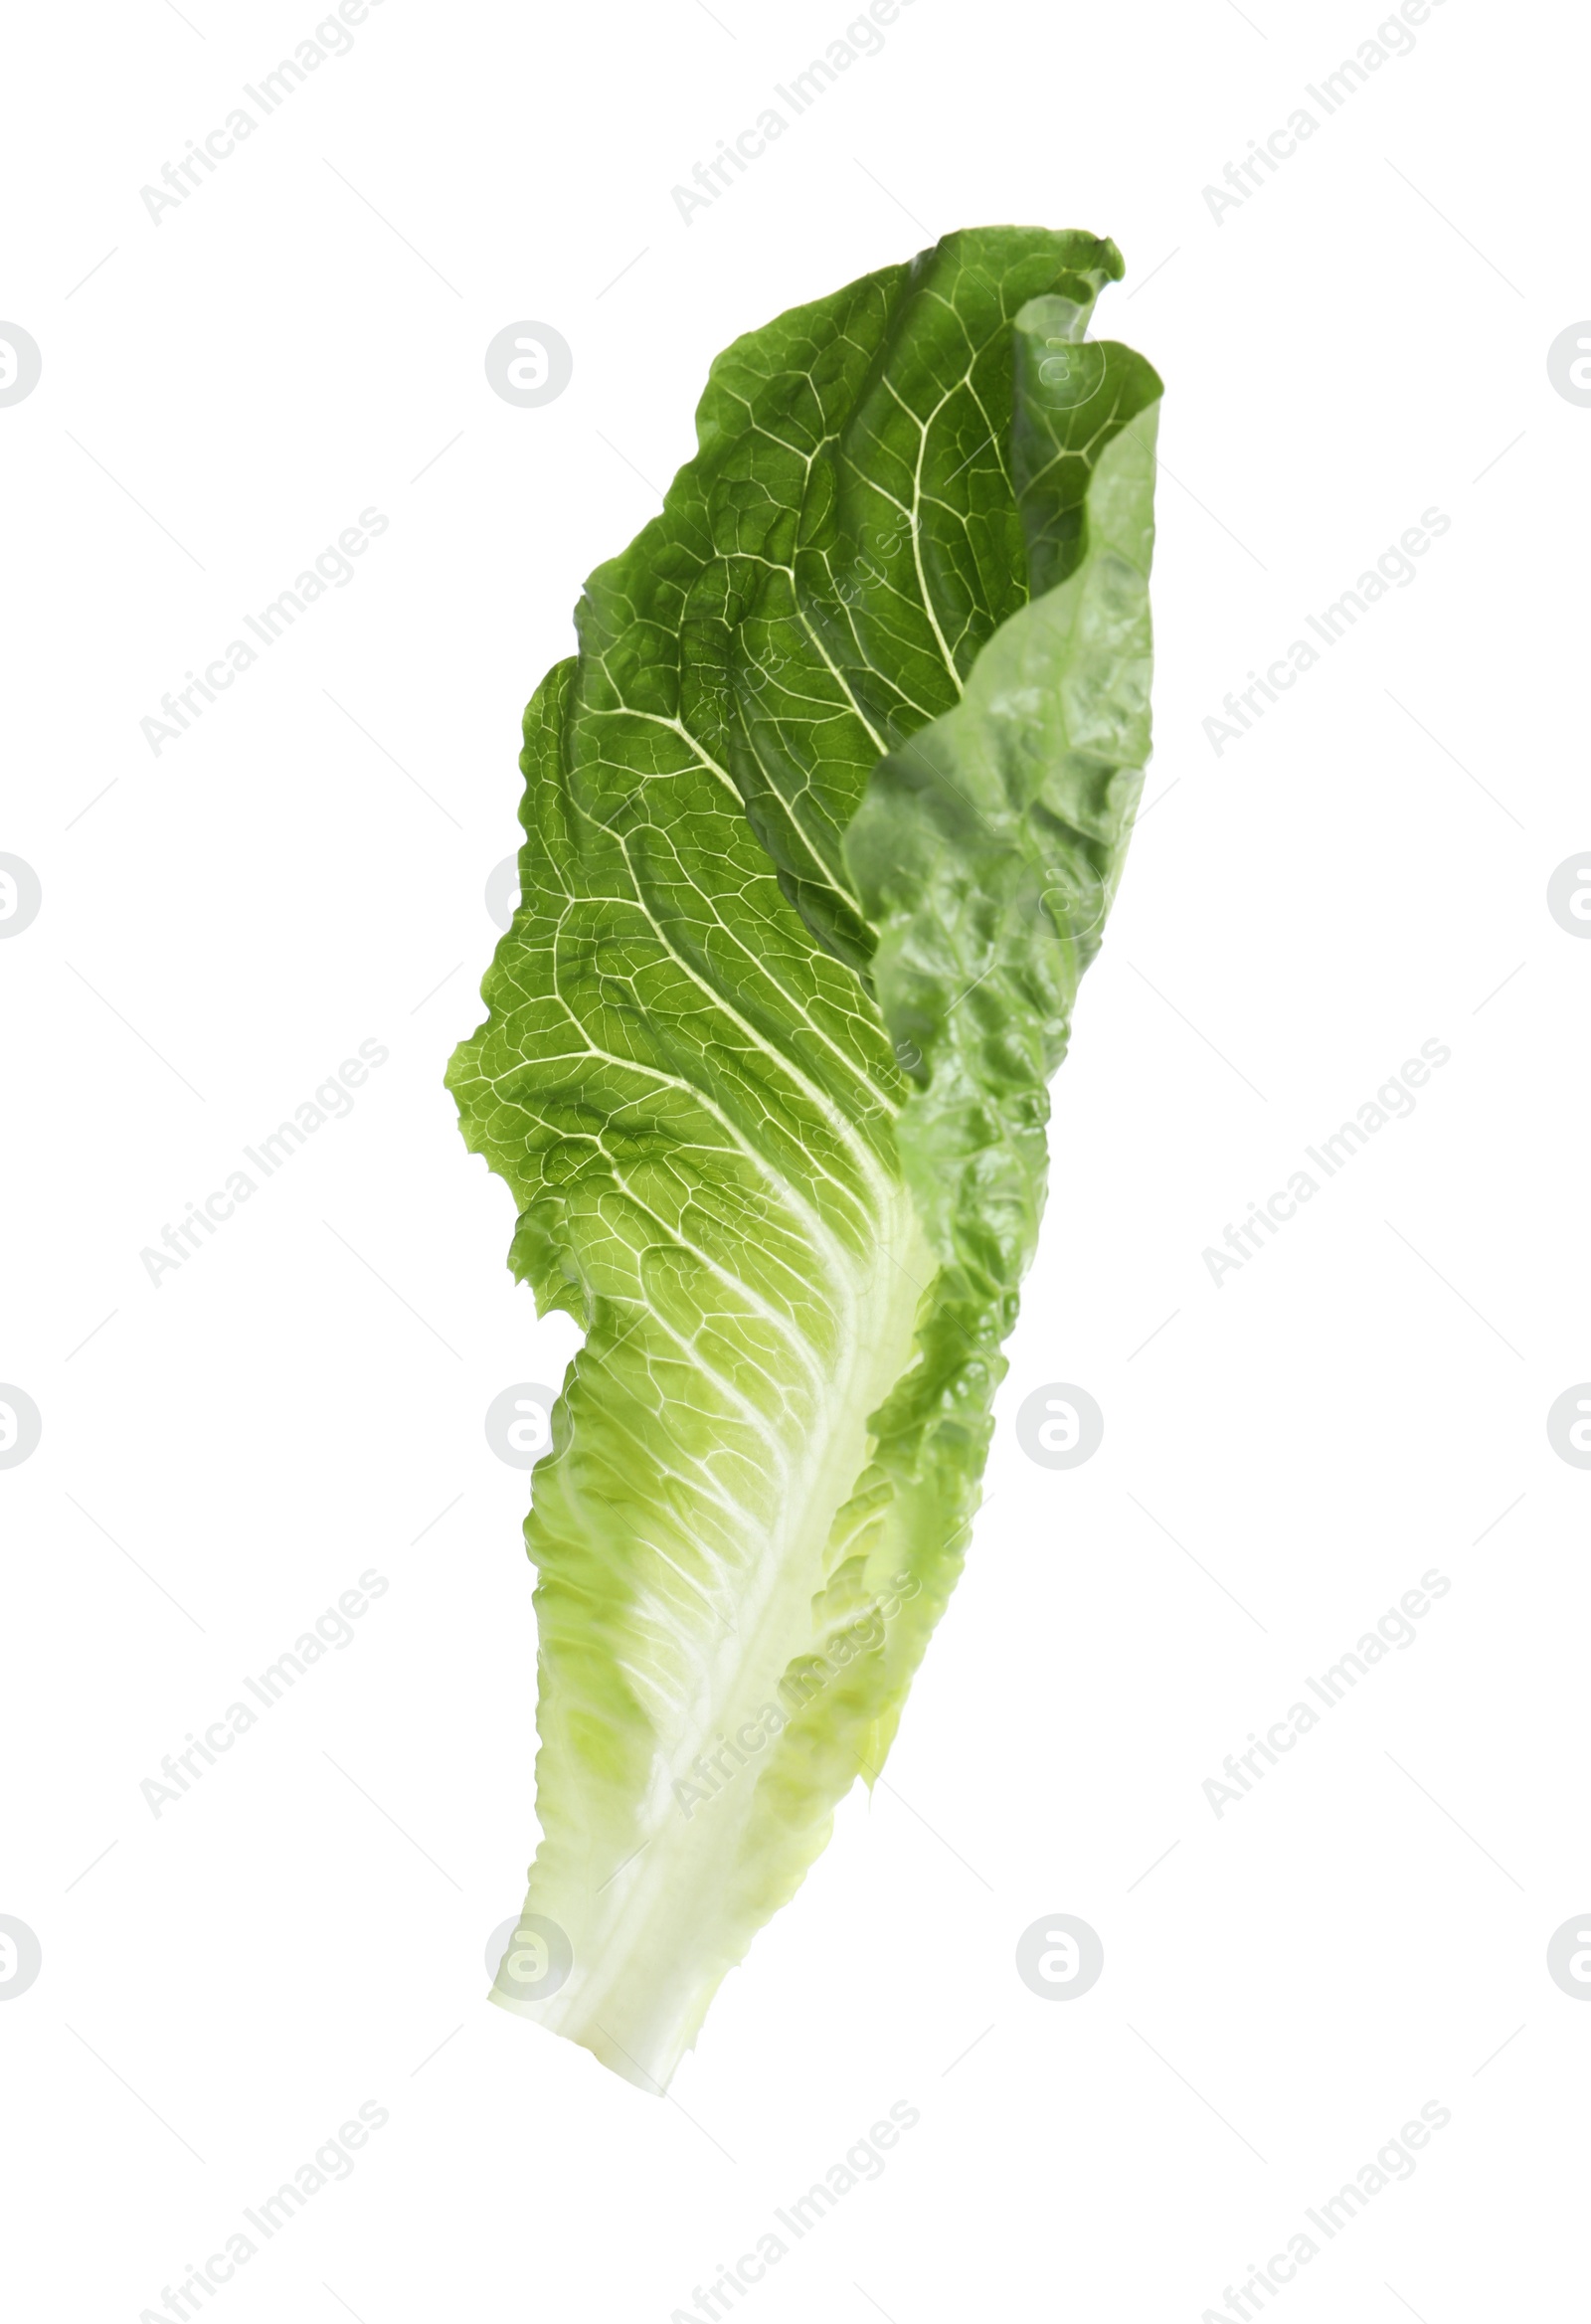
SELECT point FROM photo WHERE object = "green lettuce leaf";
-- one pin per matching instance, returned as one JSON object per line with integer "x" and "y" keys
{"x": 823, "y": 823}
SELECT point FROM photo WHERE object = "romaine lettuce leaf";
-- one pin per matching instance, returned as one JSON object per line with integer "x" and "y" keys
{"x": 822, "y": 825}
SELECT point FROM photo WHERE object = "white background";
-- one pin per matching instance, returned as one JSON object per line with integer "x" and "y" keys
{"x": 301, "y": 339}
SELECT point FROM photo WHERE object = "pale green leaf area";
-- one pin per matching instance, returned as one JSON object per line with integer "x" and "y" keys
{"x": 822, "y": 825}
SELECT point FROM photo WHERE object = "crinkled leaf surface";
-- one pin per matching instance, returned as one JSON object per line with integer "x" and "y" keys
{"x": 823, "y": 823}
